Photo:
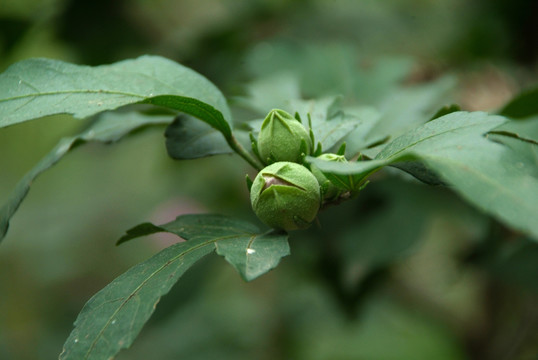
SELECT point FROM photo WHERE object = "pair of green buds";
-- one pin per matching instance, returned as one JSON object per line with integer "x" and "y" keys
{"x": 286, "y": 194}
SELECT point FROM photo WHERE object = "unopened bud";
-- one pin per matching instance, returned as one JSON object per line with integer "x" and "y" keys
{"x": 285, "y": 195}
{"x": 282, "y": 138}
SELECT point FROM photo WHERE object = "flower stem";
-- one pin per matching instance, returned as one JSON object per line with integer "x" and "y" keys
{"x": 240, "y": 150}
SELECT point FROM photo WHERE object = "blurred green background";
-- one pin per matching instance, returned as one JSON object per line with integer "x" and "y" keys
{"x": 405, "y": 271}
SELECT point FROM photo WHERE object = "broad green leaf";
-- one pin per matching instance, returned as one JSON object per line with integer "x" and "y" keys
{"x": 39, "y": 87}
{"x": 251, "y": 252}
{"x": 111, "y": 319}
{"x": 522, "y": 129}
{"x": 195, "y": 108}
{"x": 523, "y": 105}
{"x": 255, "y": 255}
{"x": 107, "y": 128}
{"x": 490, "y": 175}
{"x": 188, "y": 138}
{"x": 527, "y": 152}
{"x": 521, "y": 137}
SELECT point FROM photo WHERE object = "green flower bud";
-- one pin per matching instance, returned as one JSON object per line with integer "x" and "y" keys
{"x": 328, "y": 189}
{"x": 282, "y": 138}
{"x": 285, "y": 195}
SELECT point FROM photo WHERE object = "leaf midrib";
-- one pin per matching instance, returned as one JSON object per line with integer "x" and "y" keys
{"x": 67, "y": 92}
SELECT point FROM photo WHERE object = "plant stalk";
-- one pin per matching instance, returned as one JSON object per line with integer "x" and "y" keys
{"x": 240, "y": 150}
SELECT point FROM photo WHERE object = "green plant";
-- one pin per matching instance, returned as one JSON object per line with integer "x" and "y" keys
{"x": 488, "y": 159}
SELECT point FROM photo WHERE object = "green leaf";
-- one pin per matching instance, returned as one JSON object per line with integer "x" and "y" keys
{"x": 255, "y": 255}
{"x": 107, "y": 128}
{"x": 361, "y": 169}
{"x": 527, "y": 152}
{"x": 188, "y": 138}
{"x": 522, "y": 129}
{"x": 490, "y": 175}
{"x": 357, "y": 141}
{"x": 329, "y": 123}
{"x": 195, "y": 108}
{"x": 523, "y": 105}
{"x": 249, "y": 251}
{"x": 39, "y": 87}
{"x": 409, "y": 107}
{"x": 111, "y": 319}
{"x": 143, "y": 229}
{"x": 420, "y": 171}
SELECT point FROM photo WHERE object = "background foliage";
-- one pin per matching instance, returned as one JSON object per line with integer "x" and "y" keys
{"x": 440, "y": 281}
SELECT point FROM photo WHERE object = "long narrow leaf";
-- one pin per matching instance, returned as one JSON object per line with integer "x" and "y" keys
{"x": 112, "y": 319}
